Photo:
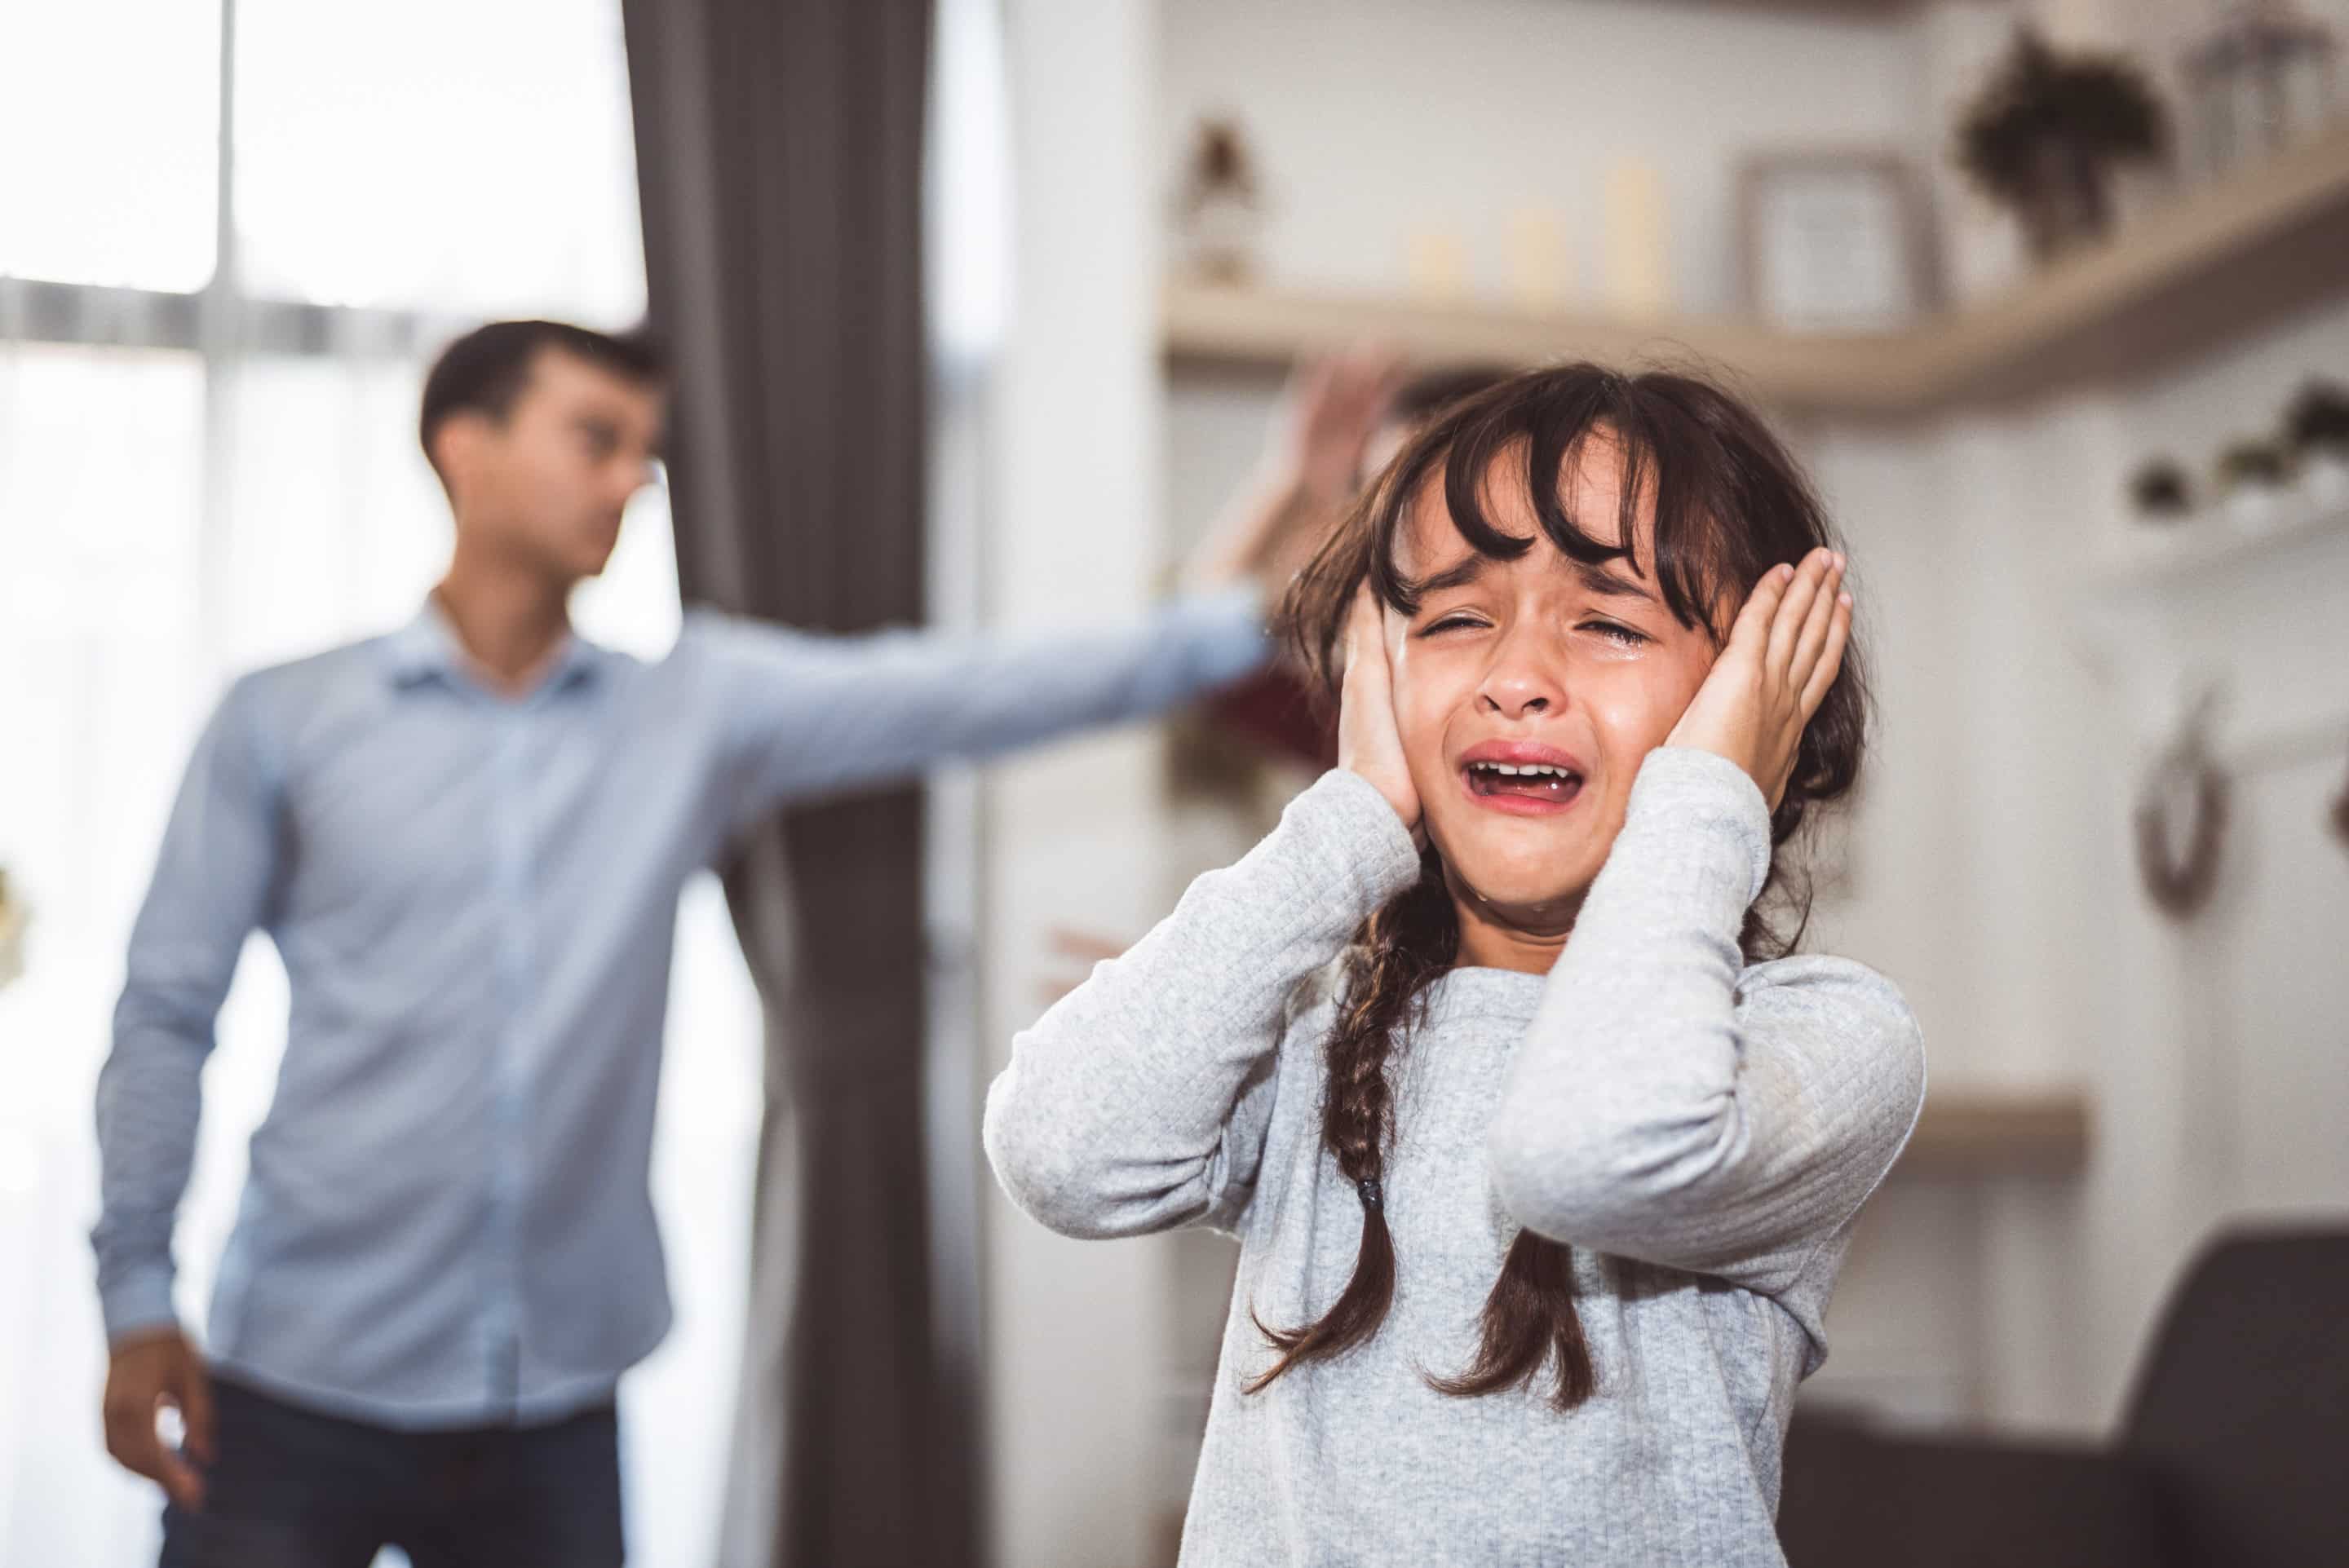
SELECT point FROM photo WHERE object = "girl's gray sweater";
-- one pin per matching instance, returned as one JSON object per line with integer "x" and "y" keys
{"x": 1703, "y": 1134}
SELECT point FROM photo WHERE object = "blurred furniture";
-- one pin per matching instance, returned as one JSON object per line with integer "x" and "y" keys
{"x": 2235, "y": 1450}
{"x": 2234, "y": 254}
{"x": 2000, "y": 1132}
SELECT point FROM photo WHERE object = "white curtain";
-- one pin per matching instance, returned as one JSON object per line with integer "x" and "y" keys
{"x": 233, "y": 236}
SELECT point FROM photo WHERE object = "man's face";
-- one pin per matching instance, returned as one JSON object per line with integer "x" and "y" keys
{"x": 545, "y": 487}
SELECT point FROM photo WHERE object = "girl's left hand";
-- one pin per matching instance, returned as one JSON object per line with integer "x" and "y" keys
{"x": 1368, "y": 743}
{"x": 1783, "y": 653}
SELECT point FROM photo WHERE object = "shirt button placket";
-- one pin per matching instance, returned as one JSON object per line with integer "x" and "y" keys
{"x": 508, "y": 1122}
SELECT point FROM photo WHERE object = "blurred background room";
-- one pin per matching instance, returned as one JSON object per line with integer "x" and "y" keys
{"x": 983, "y": 312}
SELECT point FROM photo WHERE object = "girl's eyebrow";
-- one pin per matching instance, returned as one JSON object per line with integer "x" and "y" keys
{"x": 1596, "y": 579}
{"x": 1466, "y": 571}
{"x": 1600, "y": 580}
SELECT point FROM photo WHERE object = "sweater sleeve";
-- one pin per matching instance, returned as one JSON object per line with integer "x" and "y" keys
{"x": 1665, "y": 1107}
{"x": 1140, "y": 1100}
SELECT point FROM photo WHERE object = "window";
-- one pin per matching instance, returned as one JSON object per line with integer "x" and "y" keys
{"x": 472, "y": 158}
{"x": 110, "y": 109}
{"x": 208, "y": 462}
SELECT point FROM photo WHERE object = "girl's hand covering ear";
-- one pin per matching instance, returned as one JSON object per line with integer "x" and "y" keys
{"x": 1783, "y": 653}
{"x": 1368, "y": 740}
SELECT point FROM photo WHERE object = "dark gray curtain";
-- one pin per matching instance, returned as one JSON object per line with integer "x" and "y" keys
{"x": 779, "y": 147}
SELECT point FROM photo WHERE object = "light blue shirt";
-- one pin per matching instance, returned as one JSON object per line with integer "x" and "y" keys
{"x": 448, "y": 1219}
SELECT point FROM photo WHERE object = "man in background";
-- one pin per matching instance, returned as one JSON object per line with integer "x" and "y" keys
{"x": 467, "y": 838}
{"x": 1343, "y": 420}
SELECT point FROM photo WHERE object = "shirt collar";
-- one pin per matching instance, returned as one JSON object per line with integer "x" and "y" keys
{"x": 428, "y": 648}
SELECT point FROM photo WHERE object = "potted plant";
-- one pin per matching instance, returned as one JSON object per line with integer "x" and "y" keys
{"x": 2161, "y": 491}
{"x": 2316, "y": 432}
{"x": 2047, "y": 130}
{"x": 2252, "y": 475}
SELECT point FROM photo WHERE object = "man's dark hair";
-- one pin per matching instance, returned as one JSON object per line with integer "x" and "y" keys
{"x": 485, "y": 370}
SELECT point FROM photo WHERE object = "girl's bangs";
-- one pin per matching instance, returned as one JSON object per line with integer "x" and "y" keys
{"x": 1540, "y": 443}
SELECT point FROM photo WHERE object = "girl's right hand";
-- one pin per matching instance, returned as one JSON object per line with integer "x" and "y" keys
{"x": 1368, "y": 740}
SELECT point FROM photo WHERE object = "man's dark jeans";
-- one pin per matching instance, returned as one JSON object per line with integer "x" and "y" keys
{"x": 294, "y": 1489}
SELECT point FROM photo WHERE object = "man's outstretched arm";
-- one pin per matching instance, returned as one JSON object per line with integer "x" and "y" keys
{"x": 805, "y": 714}
{"x": 812, "y": 715}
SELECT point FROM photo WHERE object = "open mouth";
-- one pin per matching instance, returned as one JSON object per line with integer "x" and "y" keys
{"x": 1522, "y": 785}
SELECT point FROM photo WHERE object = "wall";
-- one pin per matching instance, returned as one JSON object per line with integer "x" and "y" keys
{"x": 2213, "y": 1050}
{"x": 1374, "y": 118}
{"x": 2020, "y": 699}
{"x": 1075, "y": 498}
{"x": 2223, "y": 1059}
{"x": 2022, "y": 696}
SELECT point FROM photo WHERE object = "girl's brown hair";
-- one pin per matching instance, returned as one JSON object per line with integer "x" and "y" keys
{"x": 1729, "y": 503}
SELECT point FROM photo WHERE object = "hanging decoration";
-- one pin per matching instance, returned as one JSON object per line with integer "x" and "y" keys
{"x": 2179, "y": 859}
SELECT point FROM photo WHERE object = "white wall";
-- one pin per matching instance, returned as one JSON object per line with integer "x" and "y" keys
{"x": 2222, "y": 1054}
{"x": 1076, "y": 497}
{"x": 2213, "y": 1050}
{"x": 1374, "y": 118}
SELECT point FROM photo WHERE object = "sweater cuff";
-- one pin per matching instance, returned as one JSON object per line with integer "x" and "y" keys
{"x": 1688, "y": 784}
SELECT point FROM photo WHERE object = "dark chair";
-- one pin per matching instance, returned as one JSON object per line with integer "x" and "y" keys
{"x": 2235, "y": 1450}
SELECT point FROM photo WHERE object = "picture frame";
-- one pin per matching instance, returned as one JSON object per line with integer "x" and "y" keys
{"x": 1834, "y": 241}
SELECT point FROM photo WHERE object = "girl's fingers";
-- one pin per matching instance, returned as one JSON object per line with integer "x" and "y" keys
{"x": 1814, "y": 634}
{"x": 1365, "y": 634}
{"x": 1787, "y": 623}
{"x": 1752, "y": 627}
{"x": 1822, "y": 673}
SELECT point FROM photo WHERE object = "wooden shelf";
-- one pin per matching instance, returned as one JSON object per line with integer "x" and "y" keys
{"x": 1223, "y": 325}
{"x": 2218, "y": 262}
{"x": 1972, "y": 1133}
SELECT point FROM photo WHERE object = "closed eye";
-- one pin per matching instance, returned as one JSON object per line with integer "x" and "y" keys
{"x": 1449, "y": 623}
{"x": 1616, "y": 632}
